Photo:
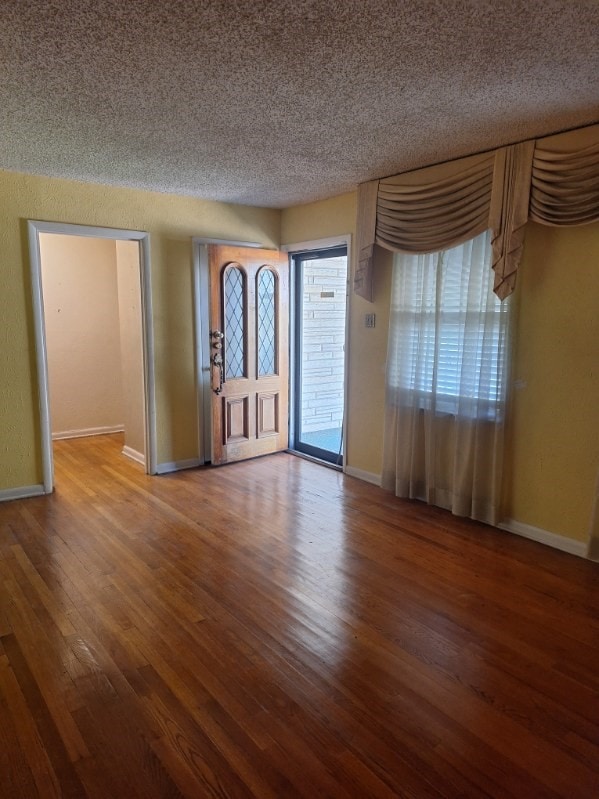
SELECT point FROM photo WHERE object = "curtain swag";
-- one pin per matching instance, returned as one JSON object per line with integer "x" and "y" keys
{"x": 554, "y": 181}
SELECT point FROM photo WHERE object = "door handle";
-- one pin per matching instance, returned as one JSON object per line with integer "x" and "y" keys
{"x": 217, "y": 361}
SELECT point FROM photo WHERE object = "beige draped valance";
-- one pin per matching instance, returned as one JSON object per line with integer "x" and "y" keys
{"x": 554, "y": 181}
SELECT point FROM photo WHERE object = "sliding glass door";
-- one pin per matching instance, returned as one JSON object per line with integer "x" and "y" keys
{"x": 320, "y": 294}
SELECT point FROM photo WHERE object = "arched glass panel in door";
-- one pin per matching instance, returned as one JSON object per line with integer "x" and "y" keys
{"x": 234, "y": 306}
{"x": 266, "y": 322}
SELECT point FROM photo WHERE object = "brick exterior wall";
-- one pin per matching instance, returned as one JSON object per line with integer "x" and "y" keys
{"x": 323, "y": 343}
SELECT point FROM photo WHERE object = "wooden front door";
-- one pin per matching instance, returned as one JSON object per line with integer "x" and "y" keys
{"x": 249, "y": 357}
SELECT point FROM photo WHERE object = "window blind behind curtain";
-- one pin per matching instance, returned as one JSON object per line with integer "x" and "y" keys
{"x": 554, "y": 181}
{"x": 448, "y": 332}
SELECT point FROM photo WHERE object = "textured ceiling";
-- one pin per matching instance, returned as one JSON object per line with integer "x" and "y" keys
{"x": 278, "y": 102}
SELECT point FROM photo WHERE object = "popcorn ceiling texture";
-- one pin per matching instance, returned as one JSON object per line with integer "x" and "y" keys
{"x": 280, "y": 102}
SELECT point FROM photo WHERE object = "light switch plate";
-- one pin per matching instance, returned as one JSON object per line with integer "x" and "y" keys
{"x": 369, "y": 320}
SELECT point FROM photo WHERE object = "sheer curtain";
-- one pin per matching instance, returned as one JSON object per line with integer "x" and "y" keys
{"x": 446, "y": 381}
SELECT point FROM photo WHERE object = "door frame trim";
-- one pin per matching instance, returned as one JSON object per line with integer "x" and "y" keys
{"x": 34, "y": 228}
{"x": 343, "y": 240}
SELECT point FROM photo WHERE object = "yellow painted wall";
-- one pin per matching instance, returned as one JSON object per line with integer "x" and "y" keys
{"x": 367, "y": 365}
{"x": 553, "y": 443}
{"x": 320, "y": 220}
{"x": 552, "y": 458}
{"x": 171, "y": 221}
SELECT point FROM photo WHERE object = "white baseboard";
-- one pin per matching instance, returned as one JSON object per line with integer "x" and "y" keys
{"x": 134, "y": 455}
{"x": 545, "y": 537}
{"x": 593, "y": 549}
{"x": 88, "y": 431}
{"x": 176, "y": 466}
{"x": 23, "y": 492}
{"x": 368, "y": 477}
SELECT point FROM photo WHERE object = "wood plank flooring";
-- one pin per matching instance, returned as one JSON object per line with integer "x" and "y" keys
{"x": 275, "y": 629}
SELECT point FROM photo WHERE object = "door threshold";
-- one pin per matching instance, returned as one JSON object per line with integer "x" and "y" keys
{"x": 337, "y": 467}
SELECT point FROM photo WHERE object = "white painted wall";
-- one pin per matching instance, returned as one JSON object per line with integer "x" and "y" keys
{"x": 131, "y": 340}
{"x": 79, "y": 280}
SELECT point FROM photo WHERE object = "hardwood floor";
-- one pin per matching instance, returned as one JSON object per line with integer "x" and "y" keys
{"x": 275, "y": 629}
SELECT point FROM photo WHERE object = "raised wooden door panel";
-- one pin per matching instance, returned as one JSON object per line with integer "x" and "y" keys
{"x": 249, "y": 322}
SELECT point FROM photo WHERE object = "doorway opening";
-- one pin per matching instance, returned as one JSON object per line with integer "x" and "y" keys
{"x": 319, "y": 333}
{"x": 92, "y": 313}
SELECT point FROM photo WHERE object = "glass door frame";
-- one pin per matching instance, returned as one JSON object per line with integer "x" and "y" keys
{"x": 299, "y": 253}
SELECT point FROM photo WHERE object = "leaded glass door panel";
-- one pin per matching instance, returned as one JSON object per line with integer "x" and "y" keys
{"x": 249, "y": 319}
